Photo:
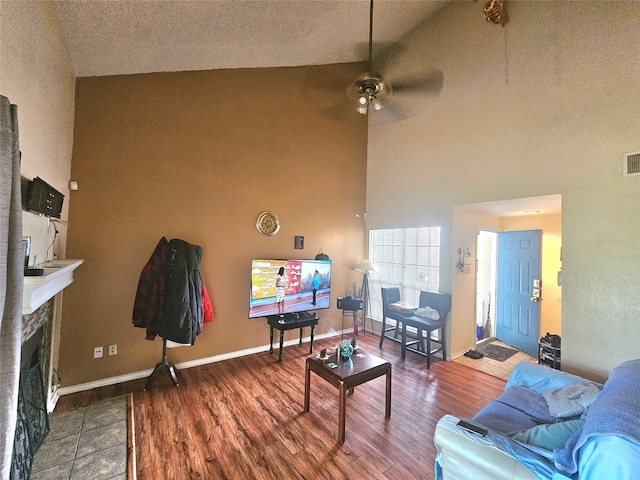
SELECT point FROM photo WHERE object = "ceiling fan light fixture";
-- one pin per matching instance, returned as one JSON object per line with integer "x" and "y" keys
{"x": 369, "y": 91}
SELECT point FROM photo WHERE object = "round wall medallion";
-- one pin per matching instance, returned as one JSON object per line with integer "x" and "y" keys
{"x": 268, "y": 223}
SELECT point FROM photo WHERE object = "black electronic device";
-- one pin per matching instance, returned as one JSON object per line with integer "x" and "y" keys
{"x": 472, "y": 428}
{"x": 44, "y": 199}
{"x": 298, "y": 290}
{"x": 350, "y": 303}
{"x": 33, "y": 272}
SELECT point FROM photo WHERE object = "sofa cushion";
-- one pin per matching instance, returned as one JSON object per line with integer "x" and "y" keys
{"x": 515, "y": 410}
{"x": 540, "y": 377}
{"x": 551, "y": 435}
{"x": 571, "y": 400}
{"x": 612, "y": 427}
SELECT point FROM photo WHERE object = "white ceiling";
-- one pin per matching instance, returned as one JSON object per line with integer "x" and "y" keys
{"x": 126, "y": 37}
{"x": 545, "y": 205}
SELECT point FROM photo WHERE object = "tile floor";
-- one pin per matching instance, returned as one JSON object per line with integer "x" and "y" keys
{"x": 494, "y": 367}
{"x": 85, "y": 443}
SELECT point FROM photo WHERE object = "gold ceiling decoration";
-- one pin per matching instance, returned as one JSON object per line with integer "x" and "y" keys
{"x": 494, "y": 12}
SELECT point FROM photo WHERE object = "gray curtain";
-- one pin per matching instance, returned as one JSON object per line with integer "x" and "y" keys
{"x": 11, "y": 274}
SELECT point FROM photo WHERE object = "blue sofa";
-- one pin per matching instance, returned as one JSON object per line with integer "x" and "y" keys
{"x": 549, "y": 424}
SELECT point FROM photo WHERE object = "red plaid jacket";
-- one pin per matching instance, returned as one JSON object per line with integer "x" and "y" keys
{"x": 150, "y": 296}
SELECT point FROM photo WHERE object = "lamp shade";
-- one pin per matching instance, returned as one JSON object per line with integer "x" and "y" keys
{"x": 366, "y": 266}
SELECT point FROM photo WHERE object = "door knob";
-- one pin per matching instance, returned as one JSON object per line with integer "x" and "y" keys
{"x": 536, "y": 295}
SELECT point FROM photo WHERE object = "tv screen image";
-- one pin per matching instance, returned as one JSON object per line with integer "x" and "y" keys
{"x": 298, "y": 279}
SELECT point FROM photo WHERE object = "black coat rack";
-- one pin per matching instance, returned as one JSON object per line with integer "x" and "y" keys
{"x": 164, "y": 366}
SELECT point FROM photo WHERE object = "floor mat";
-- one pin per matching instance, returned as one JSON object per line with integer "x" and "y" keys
{"x": 495, "y": 352}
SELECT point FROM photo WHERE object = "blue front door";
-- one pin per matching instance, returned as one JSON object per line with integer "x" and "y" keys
{"x": 518, "y": 272}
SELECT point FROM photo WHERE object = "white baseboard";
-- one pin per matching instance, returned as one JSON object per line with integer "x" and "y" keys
{"x": 81, "y": 387}
{"x": 52, "y": 401}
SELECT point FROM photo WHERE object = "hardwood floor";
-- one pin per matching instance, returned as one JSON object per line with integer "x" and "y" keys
{"x": 242, "y": 418}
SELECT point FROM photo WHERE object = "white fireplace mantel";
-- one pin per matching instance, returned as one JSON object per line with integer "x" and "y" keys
{"x": 58, "y": 275}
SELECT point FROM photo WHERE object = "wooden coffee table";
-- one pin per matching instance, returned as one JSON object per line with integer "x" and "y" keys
{"x": 360, "y": 368}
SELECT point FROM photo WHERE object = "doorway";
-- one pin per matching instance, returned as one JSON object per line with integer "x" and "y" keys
{"x": 486, "y": 262}
{"x": 543, "y": 213}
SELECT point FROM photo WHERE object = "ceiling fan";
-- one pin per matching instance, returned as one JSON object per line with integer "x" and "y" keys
{"x": 370, "y": 89}
{"x": 382, "y": 93}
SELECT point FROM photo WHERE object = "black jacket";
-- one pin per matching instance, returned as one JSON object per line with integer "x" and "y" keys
{"x": 182, "y": 315}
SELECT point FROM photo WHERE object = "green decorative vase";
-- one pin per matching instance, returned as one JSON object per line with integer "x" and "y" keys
{"x": 346, "y": 349}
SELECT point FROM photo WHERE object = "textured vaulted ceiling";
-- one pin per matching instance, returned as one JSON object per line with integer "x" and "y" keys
{"x": 126, "y": 37}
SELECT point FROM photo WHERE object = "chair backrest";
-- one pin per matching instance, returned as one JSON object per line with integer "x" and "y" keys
{"x": 440, "y": 302}
{"x": 389, "y": 295}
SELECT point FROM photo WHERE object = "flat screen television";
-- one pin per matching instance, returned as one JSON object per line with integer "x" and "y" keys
{"x": 298, "y": 275}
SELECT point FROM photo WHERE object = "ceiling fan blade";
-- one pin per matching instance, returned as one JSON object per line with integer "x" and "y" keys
{"x": 406, "y": 101}
{"x": 340, "y": 111}
{"x": 319, "y": 77}
{"x": 324, "y": 88}
{"x": 386, "y": 53}
{"x": 333, "y": 105}
{"x": 390, "y": 113}
{"x": 429, "y": 83}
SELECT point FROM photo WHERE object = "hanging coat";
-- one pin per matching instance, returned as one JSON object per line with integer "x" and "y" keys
{"x": 148, "y": 307}
{"x": 182, "y": 318}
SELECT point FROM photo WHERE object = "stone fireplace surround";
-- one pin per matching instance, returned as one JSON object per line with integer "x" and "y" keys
{"x": 46, "y": 291}
{"x": 32, "y": 423}
{"x": 38, "y": 395}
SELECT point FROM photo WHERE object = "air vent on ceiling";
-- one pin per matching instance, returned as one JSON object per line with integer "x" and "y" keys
{"x": 631, "y": 164}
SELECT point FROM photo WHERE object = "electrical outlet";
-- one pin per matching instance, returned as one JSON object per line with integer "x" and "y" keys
{"x": 113, "y": 349}
{"x": 97, "y": 352}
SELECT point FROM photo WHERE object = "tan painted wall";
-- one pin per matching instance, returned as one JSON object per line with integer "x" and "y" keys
{"x": 545, "y": 105}
{"x": 197, "y": 156}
